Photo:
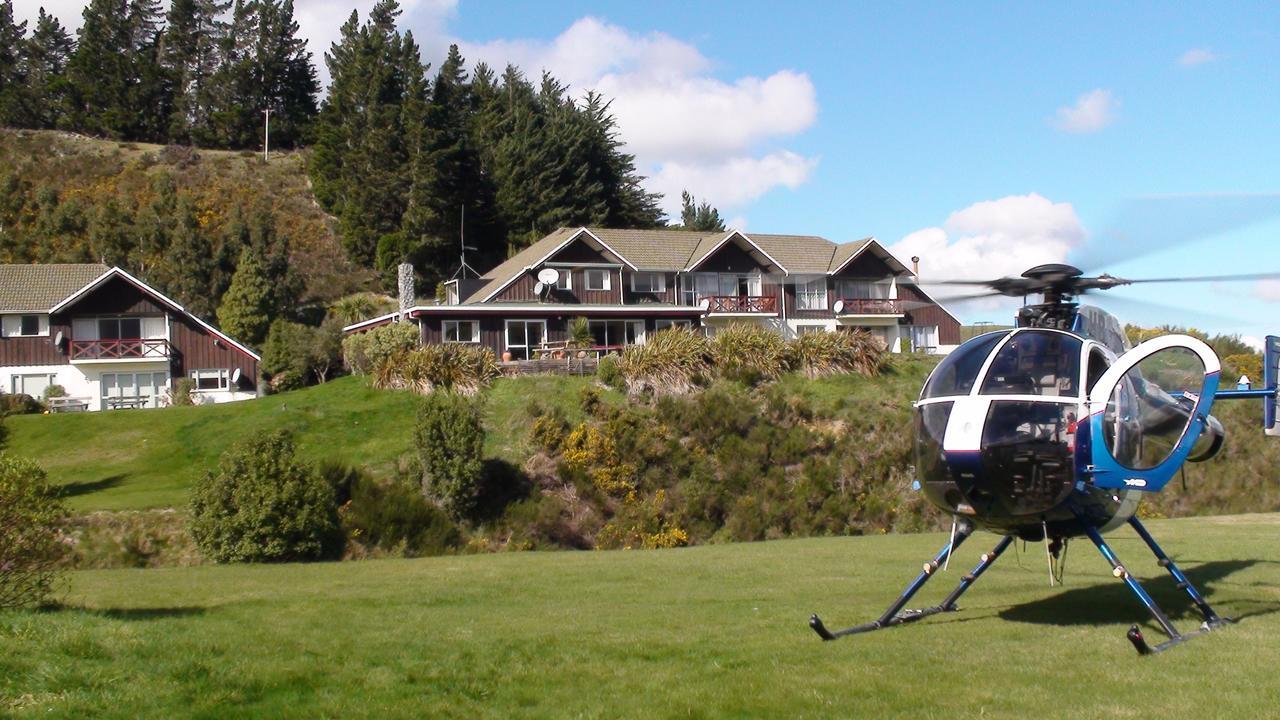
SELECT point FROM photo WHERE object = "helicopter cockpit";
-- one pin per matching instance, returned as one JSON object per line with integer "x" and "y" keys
{"x": 997, "y": 422}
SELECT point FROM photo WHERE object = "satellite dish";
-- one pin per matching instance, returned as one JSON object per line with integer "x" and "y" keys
{"x": 838, "y": 307}
{"x": 57, "y": 339}
{"x": 539, "y": 288}
{"x": 704, "y": 303}
{"x": 548, "y": 276}
{"x": 235, "y": 376}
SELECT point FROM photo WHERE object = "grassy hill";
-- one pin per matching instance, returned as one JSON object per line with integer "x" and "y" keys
{"x": 149, "y": 458}
{"x": 705, "y": 632}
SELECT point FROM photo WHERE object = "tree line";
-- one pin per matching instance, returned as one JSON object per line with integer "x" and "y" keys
{"x": 205, "y": 72}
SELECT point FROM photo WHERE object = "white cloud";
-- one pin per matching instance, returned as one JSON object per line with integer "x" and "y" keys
{"x": 730, "y": 182}
{"x": 1196, "y": 56}
{"x": 991, "y": 239}
{"x": 1268, "y": 290}
{"x": 1092, "y": 112}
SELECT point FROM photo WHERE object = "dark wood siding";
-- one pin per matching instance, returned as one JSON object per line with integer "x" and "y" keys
{"x": 522, "y": 290}
{"x": 668, "y": 296}
{"x": 794, "y": 312}
{"x": 866, "y": 266}
{"x": 931, "y": 314}
{"x": 732, "y": 259}
{"x": 195, "y": 348}
{"x": 37, "y": 350}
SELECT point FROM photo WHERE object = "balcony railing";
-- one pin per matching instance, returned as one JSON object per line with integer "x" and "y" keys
{"x": 127, "y": 349}
{"x": 742, "y": 304}
{"x": 869, "y": 306}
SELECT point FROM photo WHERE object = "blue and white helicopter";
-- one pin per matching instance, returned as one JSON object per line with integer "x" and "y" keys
{"x": 1055, "y": 429}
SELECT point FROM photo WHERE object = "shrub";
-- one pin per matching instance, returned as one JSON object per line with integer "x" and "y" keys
{"x": 450, "y": 440}
{"x": 594, "y": 451}
{"x": 54, "y": 391}
{"x": 263, "y": 505}
{"x": 131, "y": 539}
{"x": 749, "y": 353}
{"x": 1244, "y": 364}
{"x": 834, "y": 353}
{"x": 31, "y": 543}
{"x": 183, "y": 392}
{"x": 549, "y": 430}
{"x": 366, "y": 350}
{"x": 608, "y": 373}
{"x": 464, "y": 369}
{"x": 19, "y": 404}
{"x": 357, "y": 307}
{"x": 301, "y": 351}
{"x": 580, "y": 333}
{"x": 394, "y": 518}
{"x": 673, "y": 362}
{"x": 642, "y": 524}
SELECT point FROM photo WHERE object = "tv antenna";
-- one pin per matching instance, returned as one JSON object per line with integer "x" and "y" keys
{"x": 464, "y": 247}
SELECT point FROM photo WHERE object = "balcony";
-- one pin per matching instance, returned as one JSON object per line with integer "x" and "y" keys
{"x": 742, "y": 304}
{"x": 119, "y": 350}
{"x": 869, "y": 306}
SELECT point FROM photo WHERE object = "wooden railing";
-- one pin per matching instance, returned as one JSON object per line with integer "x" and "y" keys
{"x": 870, "y": 306}
{"x": 742, "y": 304}
{"x": 127, "y": 349}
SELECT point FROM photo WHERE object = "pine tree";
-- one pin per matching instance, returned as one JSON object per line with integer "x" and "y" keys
{"x": 190, "y": 52}
{"x": 245, "y": 311}
{"x": 286, "y": 81}
{"x": 13, "y": 96}
{"x": 48, "y": 51}
{"x": 698, "y": 217}
{"x": 117, "y": 85}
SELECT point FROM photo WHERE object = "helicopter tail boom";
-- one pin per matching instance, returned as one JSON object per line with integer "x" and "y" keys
{"x": 1270, "y": 379}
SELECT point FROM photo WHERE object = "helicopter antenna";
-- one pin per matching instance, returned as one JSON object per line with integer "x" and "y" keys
{"x": 464, "y": 247}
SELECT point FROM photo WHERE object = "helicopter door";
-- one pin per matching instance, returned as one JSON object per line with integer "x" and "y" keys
{"x": 1147, "y": 410}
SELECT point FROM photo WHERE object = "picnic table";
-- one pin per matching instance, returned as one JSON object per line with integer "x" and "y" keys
{"x": 68, "y": 404}
{"x": 127, "y": 401}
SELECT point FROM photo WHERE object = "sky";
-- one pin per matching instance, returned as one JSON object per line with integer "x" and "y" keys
{"x": 1141, "y": 139}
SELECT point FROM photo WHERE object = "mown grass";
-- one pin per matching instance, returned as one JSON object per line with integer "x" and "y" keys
{"x": 713, "y": 631}
{"x": 139, "y": 459}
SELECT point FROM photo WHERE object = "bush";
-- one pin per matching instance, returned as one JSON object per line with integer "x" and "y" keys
{"x": 366, "y": 350}
{"x": 833, "y": 353}
{"x": 749, "y": 353}
{"x": 301, "y": 352}
{"x": 464, "y": 369}
{"x": 450, "y": 440}
{"x": 263, "y": 505}
{"x": 54, "y": 391}
{"x": 608, "y": 373}
{"x": 19, "y": 404}
{"x": 183, "y": 393}
{"x": 131, "y": 539}
{"x": 580, "y": 333}
{"x": 31, "y": 543}
{"x": 673, "y": 362}
{"x": 394, "y": 518}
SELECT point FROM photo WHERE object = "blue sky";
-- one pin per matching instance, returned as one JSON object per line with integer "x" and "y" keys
{"x": 987, "y": 136}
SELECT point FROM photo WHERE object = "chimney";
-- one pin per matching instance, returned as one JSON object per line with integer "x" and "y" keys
{"x": 915, "y": 266}
{"x": 404, "y": 281}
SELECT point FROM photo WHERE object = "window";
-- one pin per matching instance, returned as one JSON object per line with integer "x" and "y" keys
{"x": 212, "y": 380}
{"x": 134, "y": 390}
{"x": 26, "y": 325}
{"x": 598, "y": 280}
{"x": 924, "y": 338}
{"x": 525, "y": 336}
{"x": 33, "y": 385}
{"x": 812, "y": 294}
{"x": 810, "y": 329}
{"x": 461, "y": 331}
{"x": 617, "y": 333}
{"x": 564, "y": 280}
{"x": 648, "y": 282}
{"x": 664, "y": 324}
{"x": 119, "y": 328}
{"x": 864, "y": 289}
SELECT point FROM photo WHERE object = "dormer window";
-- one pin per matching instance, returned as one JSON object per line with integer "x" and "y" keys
{"x": 564, "y": 281}
{"x": 648, "y": 282}
{"x": 26, "y": 325}
{"x": 598, "y": 280}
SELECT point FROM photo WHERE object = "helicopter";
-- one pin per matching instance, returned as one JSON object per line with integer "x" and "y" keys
{"x": 1057, "y": 427}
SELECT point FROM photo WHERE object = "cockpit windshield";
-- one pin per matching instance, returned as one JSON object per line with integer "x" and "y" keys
{"x": 956, "y": 374}
{"x": 1036, "y": 362}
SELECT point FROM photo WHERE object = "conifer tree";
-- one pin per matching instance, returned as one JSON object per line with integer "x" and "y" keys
{"x": 47, "y": 53}
{"x": 698, "y": 217}
{"x": 245, "y": 311}
{"x": 190, "y": 52}
{"x": 13, "y": 100}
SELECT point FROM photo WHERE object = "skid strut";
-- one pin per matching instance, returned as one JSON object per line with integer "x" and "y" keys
{"x": 895, "y": 615}
{"x": 1211, "y": 619}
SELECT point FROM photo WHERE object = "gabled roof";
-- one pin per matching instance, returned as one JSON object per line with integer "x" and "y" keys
{"x": 37, "y": 288}
{"x": 116, "y": 272}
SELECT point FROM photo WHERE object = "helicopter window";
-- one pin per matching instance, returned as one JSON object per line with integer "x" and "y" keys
{"x": 956, "y": 374}
{"x": 1149, "y": 407}
{"x": 1036, "y": 363}
{"x": 1026, "y": 452}
{"x": 931, "y": 428}
{"x": 1098, "y": 365}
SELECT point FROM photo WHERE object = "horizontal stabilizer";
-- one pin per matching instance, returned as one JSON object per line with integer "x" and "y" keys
{"x": 1270, "y": 376}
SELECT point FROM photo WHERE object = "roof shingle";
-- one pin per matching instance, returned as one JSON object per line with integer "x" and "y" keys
{"x": 36, "y": 288}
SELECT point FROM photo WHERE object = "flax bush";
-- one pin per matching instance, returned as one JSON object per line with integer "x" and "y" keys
{"x": 749, "y": 353}
{"x": 673, "y": 362}
{"x": 464, "y": 369}
{"x": 31, "y": 542}
{"x": 366, "y": 350}
{"x": 835, "y": 353}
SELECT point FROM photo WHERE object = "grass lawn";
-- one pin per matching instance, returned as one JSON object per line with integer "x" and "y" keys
{"x": 136, "y": 459}
{"x": 713, "y": 631}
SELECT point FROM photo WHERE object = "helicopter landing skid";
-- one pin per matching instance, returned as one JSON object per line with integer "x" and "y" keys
{"x": 896, "y": 615}
{"x": 1212, "y": 621}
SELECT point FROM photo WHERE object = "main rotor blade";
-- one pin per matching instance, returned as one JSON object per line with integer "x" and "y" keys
{"x": 1211, "y": 278}
{"x": 1149, "y": 225}
{"x": 1128, "y": 308}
